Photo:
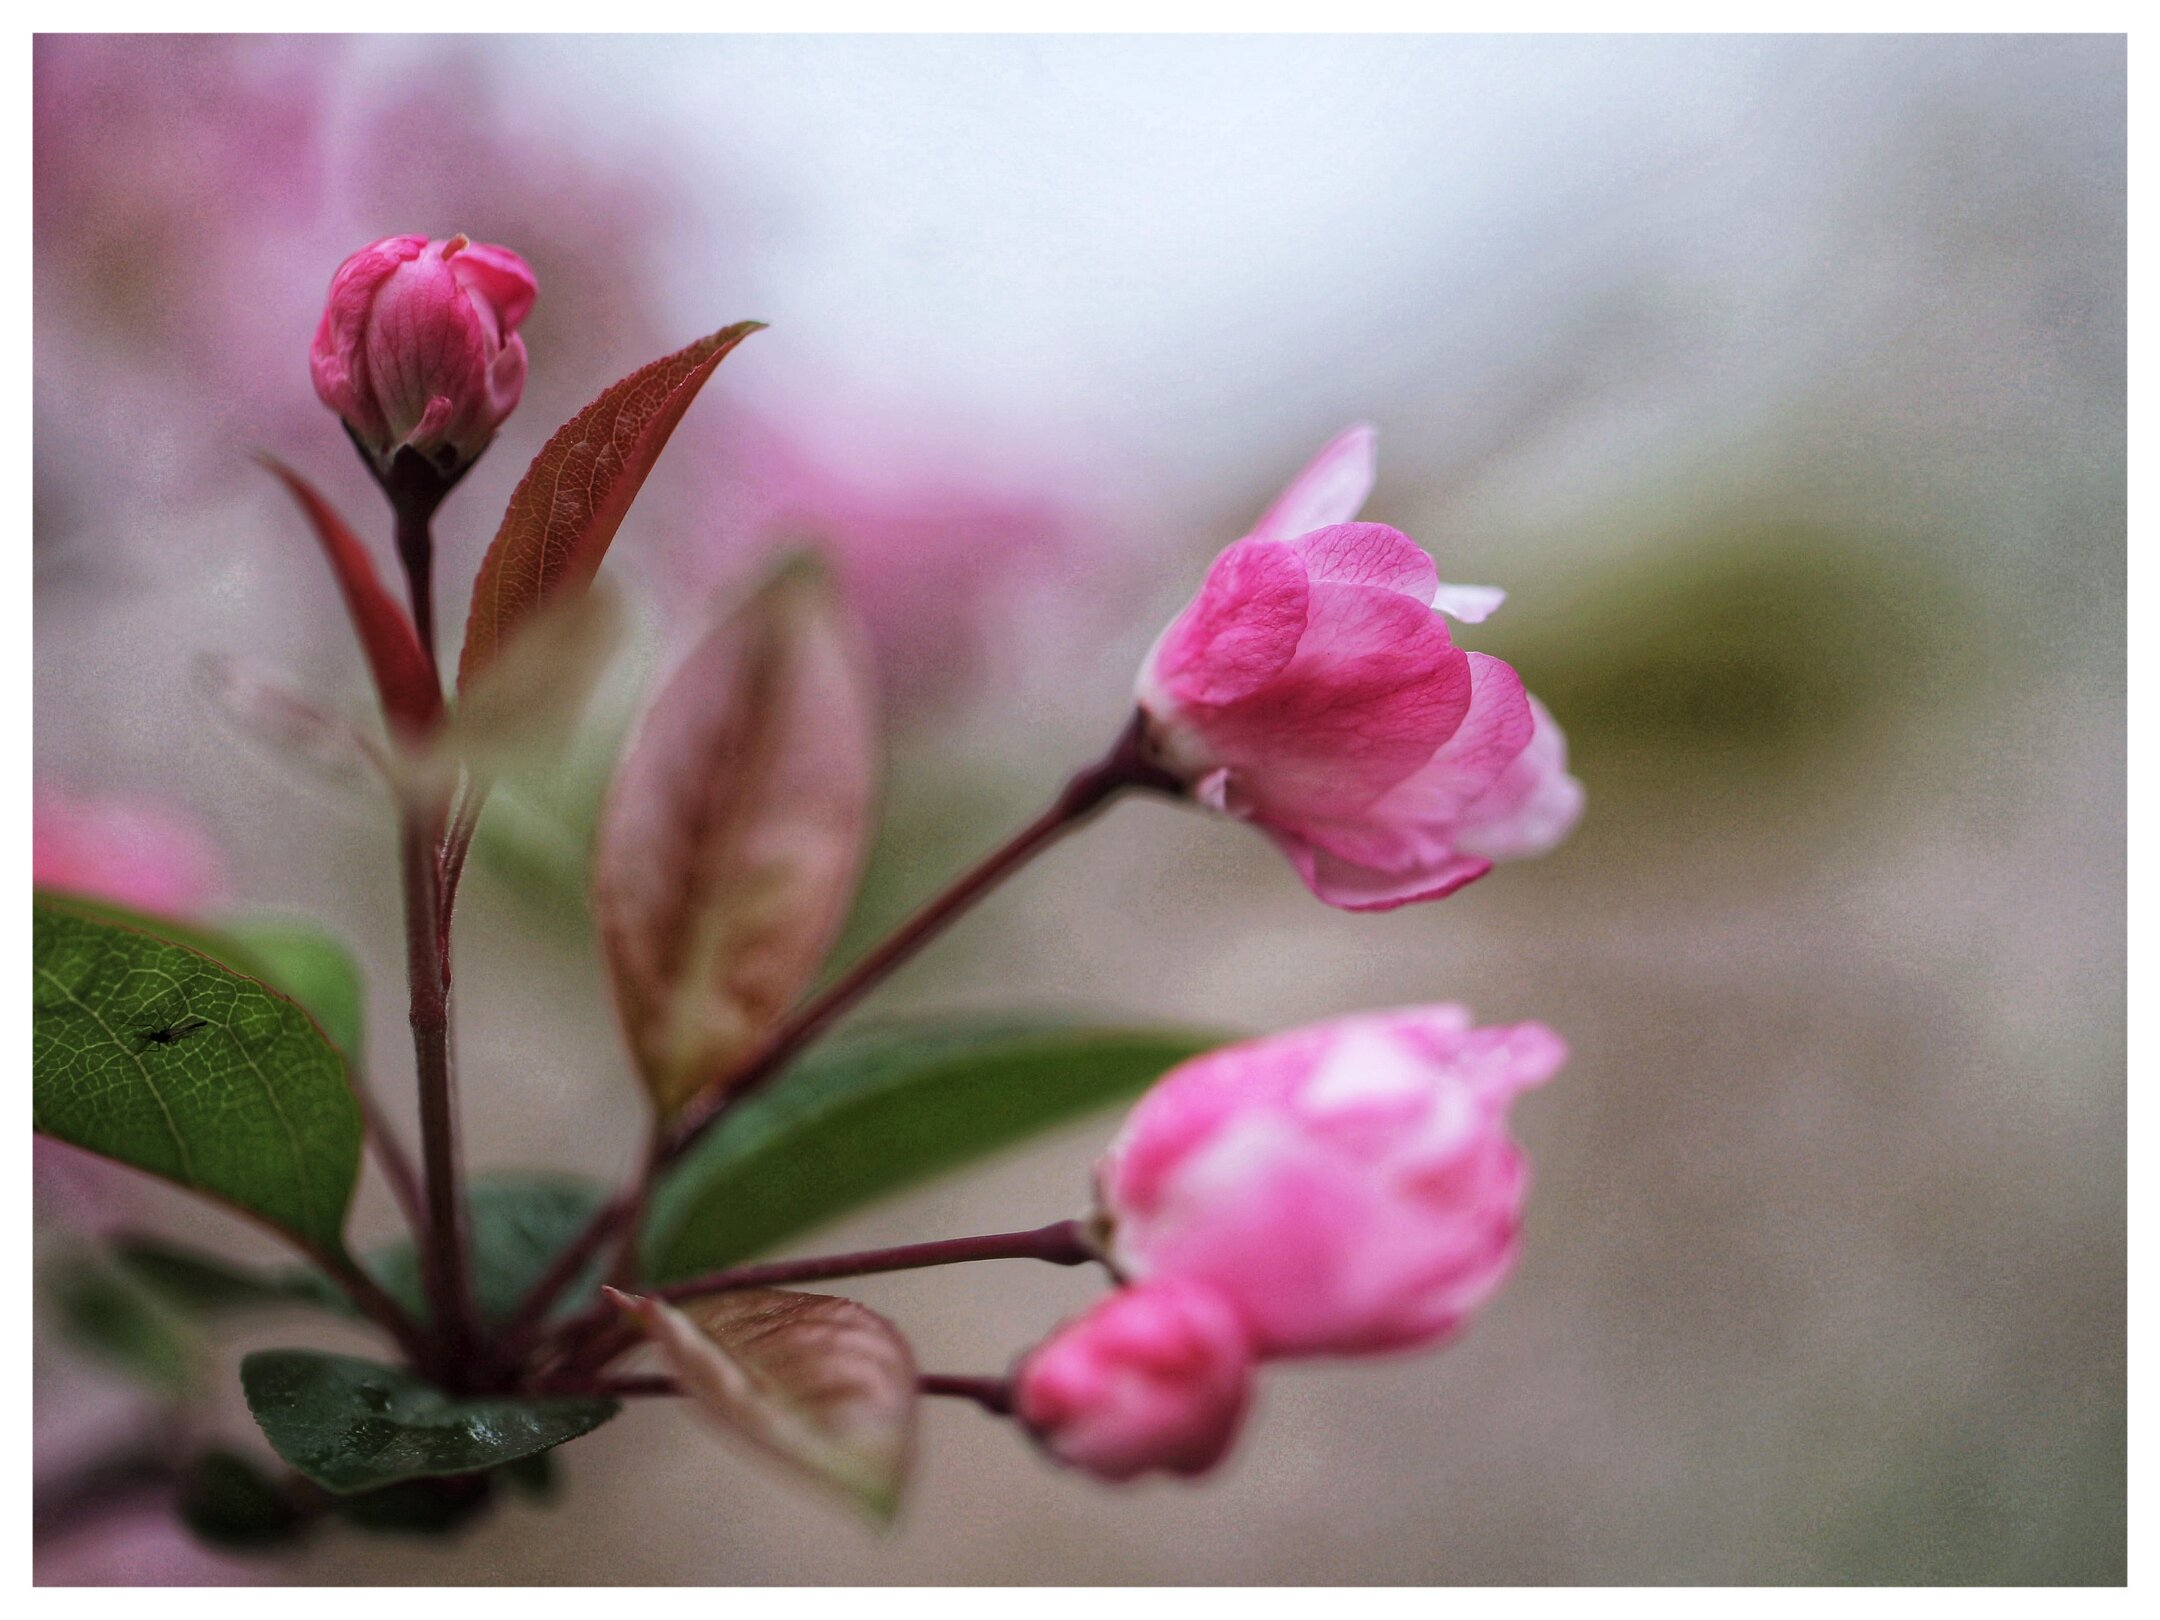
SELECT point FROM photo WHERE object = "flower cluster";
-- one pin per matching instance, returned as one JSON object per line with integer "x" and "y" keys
{"x": 1344, "y": 1189}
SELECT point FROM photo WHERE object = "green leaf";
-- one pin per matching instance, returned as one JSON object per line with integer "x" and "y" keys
{"x": 420, "y": 1507}
{"x": 292, "y": 957}
{"x": 306, "y": 963}
{"x": 824, "y": 1385}
{"x": 153, "y": 1054}
{"x": 352, "y": 1425}
{"x": 228, "y": 1502}
{"x": 209, "y": 1286}
{"x": 109, "y": 1316}
{"x": 868, "y": 1114}
{"x": 520, "y": 1223}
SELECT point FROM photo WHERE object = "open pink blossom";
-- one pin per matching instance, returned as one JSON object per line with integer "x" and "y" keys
{"x": 1152, "y": 1377}
{"x": 418, "y": 346}
{"x": 1312, "y": 688}
{"x": 132, "y": 852}
{"x": 1349, "y": 1186}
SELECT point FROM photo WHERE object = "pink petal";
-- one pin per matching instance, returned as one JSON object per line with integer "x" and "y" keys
{"x": 1368, "y": 554}
{"x": 1533, "y": 805}
{"x": 1239, "y": 632}
{"x": 1331, "y": 488}
{"x": 1416, "y": 827}
{"x": 501, "y": 277}
{"x": 1348, "y": 886}
{"x": 1493, "y": 733}
{"x": 1375, "y": 687}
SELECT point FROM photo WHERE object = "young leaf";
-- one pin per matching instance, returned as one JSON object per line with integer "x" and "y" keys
{"x": 155, "y": 1055}
{"x": 352, "y": 1425}
{"x": 261, "y": 708}
{"x": 573, "y": 498}
{"x": 869, "y": 1113}
{"x": 411, "y": 699}
{"x": 823, "y": 1384}
{"x": 521, "y": 708}
{"x": 733, "y": 834}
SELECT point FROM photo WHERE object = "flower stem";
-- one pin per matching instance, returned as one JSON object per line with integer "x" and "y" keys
{"x": 415, "y": 487}
{"x": 428, "y": 977}
{"x": 1061, "y": 1243}
{"x": 416, "y": 550}
{"x": 390, "y": 1155}
{"x": 1125, "y": 766}
{"x": 993, "y": 1395}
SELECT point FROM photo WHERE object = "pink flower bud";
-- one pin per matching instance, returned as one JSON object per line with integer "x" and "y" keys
{"x": 1155, "y": 1376}
{"x": 1348, "y": 1187}
{"x": 418, "y": 346}
{"x": 1312, "y": 688}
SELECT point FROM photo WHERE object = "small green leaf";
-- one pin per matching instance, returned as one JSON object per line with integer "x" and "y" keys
{"x": 419, "y": 1507}
{"x": 153, "y": 1054}
{"x": 228, "y": 1502}
{"x": 109, "y": 1316}
{"x": 868, "y": 1114}
{"x": 825, "y": 1385}
{"x": 353, "y": 1425}
{"x": 520, "y": 1223}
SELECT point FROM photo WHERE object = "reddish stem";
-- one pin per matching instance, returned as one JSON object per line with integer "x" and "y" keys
{"x": 396, "y": 1163}
{"x": 994, "y": 1395}
{"x": 449, "y": 1286}
{"x": 1126, "y": 766}
{"x": 600, "y": 1334}
{"x": 416, "y": 550}
{"x": 1061, "y": 1243}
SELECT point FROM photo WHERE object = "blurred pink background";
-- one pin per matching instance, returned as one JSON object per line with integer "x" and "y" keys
{"x": 1781, "y": 381}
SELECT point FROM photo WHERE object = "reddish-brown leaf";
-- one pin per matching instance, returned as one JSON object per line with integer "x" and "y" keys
{"x": 573, "y": 498}
{"x": 823, "y": 1384}
{"x": 411, "y": 698}
{"x": 734, "y": 832}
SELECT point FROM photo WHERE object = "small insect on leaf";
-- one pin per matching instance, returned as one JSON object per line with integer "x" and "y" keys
{"x": 170, "y": 1034}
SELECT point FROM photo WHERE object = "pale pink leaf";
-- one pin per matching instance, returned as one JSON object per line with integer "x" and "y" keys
{"x": 825, "y": 1385}
{"x": 734, "y": 833}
